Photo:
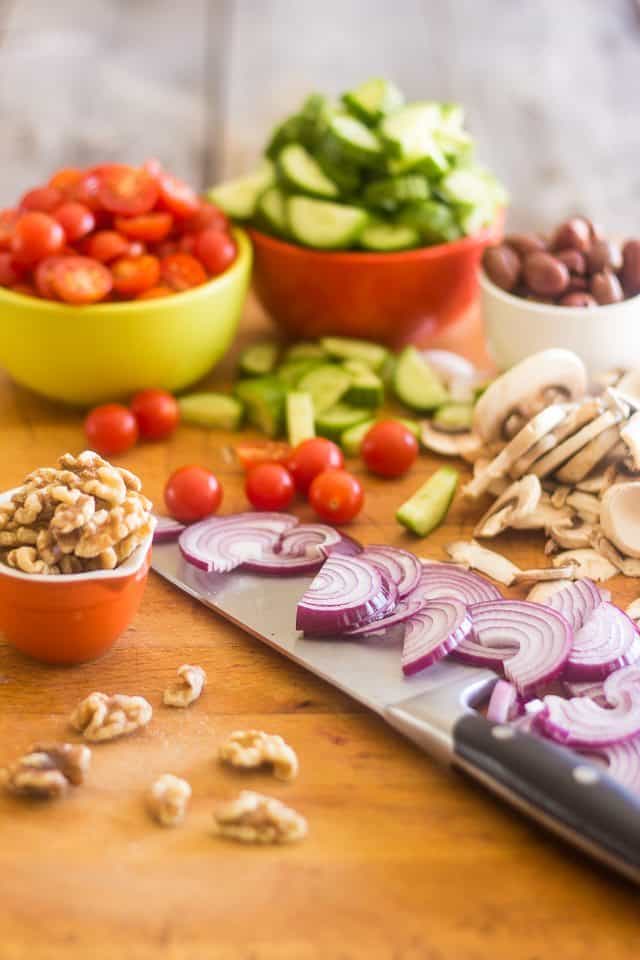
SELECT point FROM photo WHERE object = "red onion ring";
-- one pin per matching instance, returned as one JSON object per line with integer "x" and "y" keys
{"x": 348, "y": 592}
{"x": 576, "y": 602}
{"x": 221, "y": 544}
{"x": 166, "y": 529}
{"x": 622, "y": 761}
{"x": 608, "y": 640}
{"x": 503, "y": 702}
{"x": 432, "y": 633}
{"x": 402, "y": 611}
{"x": 448, "y": 580}
{"x": 399, "y": 566}
{"x": 586, "y": 688}
{"x": 303, "y": 549}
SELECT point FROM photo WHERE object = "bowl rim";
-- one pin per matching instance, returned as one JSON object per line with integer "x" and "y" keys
{"x": 139, "y": 306}
{"x": 131, "y": 565}
{"x": 551, "y": 308}
{"x": 432, "y": 252}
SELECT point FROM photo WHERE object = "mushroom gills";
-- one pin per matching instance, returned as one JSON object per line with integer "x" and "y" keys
{"x": 630, "y": 435}
{"x": 555, "y": 458}
{"x": 576, "y": 418}
{"x": 518, "y": 501}
{"x": 587, "y": 563}
{"x": 620, "y": 517}
{"x": 580, "y": 465}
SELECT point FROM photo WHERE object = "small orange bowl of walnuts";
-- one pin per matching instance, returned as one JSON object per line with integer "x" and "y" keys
{"x": 75, "y": 549}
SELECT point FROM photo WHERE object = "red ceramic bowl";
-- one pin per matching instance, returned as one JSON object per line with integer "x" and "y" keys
{"x": 389, "y": 297}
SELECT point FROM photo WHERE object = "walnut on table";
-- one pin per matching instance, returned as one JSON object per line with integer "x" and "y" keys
{"x": 47, "y": 770}
{"x": 103, "y": 717}
{"x": 186, "y": 688}
{"x": 254, "y": 818}
{"x": 254, "y": 748}
{"x": 168, "y": 798}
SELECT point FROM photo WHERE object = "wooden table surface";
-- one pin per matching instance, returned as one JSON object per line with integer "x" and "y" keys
{"x": 404, "y": 860}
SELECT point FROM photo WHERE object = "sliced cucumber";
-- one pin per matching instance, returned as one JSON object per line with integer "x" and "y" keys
{"x": 264, "y": 400}
{"x": 259, "y": 358}
{"x": 348, "y": 348}
{"x": 302, "y": 173}
{"x": 346, "y": 175}
{"x": 327, "y": 226}
{"x": 286, "y": 132}
{"x": 454, "y": 416}
{"x": 415, "y": 383}
{"x": 387, "y": 237}
{"x": 327, "y": 384}
{"x": 353, "y": 141}
{"x": 293, "y": 371}
{"x": 305, "y": 350}
{"x": 473, "y": 219}
{"x": 434, "y": 221}
{"x": 429, "y": 505}
{"x": 313, "y": 120}
{"x": 367, "y": 389}
{"x": 211, "y": 410}
{"x": 300, "y": 417}
{"x": 409, "y": 133}
{"x": 333, "y": 422}
{"x": 272, "y": 210}
{"x": 373, "y": 99}
{"x": 351, "y": 439}
{"x": 389, "y": 192}
{"x": 464, "y": 186}
{"x": 239, "y": 198}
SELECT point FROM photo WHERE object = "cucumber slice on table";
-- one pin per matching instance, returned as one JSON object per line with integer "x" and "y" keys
{"x": 305, "y": 350}
{"x": 327, "y": 384}
{"x": 454, "y": 416}
{"x": 416, "y": 384}
{"x": 259, "y": 358}
{"x": 351, "y": 439}
{"x": 334, "y": 421}
{"x": 373, "y": 99}
{"x": 303, "y": 173}
{"x": 211, "y": 410}
{"x": 434, "y": 221}
{"x": 388, "y": 192}
{"x": 300, "y": 417}
{"x": 354, "y": 141}
{"x": 264, "y": 400}
{"x": 239, "y": 198}
{"x": 349, "y": 348}
{"x": 429, "y": 505}
{"x": 272, "y": 210}
{"x": 292, "y": 372}
{"x": 387, "y": 237}
{"x": 366, "y": 389}
{"x": 326, "y": 226}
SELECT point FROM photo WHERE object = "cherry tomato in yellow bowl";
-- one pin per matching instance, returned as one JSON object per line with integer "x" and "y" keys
{"x": 85, "y": 355}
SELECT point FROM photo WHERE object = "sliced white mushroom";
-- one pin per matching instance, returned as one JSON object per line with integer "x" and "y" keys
{"x": 543, "y": 517}
{"x": 585, "y": 504}
{"x": 527, "y": 385}
{"x": 587, "y": 563}
{"x": 583, "y": 462}
{"x": 633, "y": 610}
{"x": 518, "y": 501}
{"x": 555, "y": 458}
{"x": 628, "y": 566}
{"x": 620, "y": 517}
{"x": 465, "y": 445}
{"x": 571, "y": 536}
{"x": 471, "y": 554}
{"x": 630, "y": 435}
{"x": 541, "y": 591}
{"x": 598, "y": 482}
{"x": 544, "y": 574}
{"x": 577, "y": 417}
{"x": 629, "y": 384}
{"x": 559, "y": 496}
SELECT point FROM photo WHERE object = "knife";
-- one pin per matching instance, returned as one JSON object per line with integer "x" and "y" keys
{"x": 562, "y": 790}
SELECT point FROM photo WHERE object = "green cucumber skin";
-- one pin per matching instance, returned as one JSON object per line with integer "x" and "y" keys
{"x": 215, "y": 410}
{"x": 264, "y": 400}
{"x": 305, "y": 350}
{"x": 429, "y": 505}
{"x": 300, "y": 417}
{"x": 415, "y": 384}
{"x": 300, "y": 212}
{"x": 314, "y": 182}
{"x": 367, "y": 389}
{"x": 454, "y": 416}
{"x": 327, "y": 385}
{"x": 348, "y": 348}
{"x": 334, "y": 421}
{"x": 258, "y": 359}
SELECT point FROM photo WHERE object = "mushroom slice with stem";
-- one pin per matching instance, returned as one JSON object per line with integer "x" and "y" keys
{"x": 629, "y": 385}
{"x": 544, "y": 516}
{"x": 587, "y": 563}
{"x": 633, "y": 610}
{"x": 471, "y": 554}
{"x": 576, "y": 418}
{"x": 630, "y": 434}
{"x": 555, "y": 458}
{"x": 598, "y": 482}
{"x": 572, "y": 536}
{"x": 545, "y": 574}
{"x": 519, "y": 500}
{"x": 628, "y": 566}
{"x": 584, "y": 461}
{"x": 541, "y": 591}
{"x": 447, "y": 444}
{"x": 620, "y": 517}
{"x": 585, "y": 504}
{"x": 526, "y": 387}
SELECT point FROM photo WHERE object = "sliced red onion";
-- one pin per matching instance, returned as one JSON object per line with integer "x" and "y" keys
{"x": 475, "y": 654}
{"x": 399, "y": 566}
{"x": 576, "y": 602}
{"x": 580, "y": 722}
{"x": 347, "y": 546}
{"x": 166, "y": 529}
{"x": 541, "y": 637}
{"x": 432, "y": 633}
{"x": 586, "y": 688}
{"x": 448, "y": 580}
{"x": 608, "y": 640}
{"x": 402, "y": 611}
{"x": 622, "y": 761}
{"x": 274, "y": 562}
{"x": 221, "y": 544}
{"x": 348, "y": 592}
{"x": 503, "y": 703}
{"x": 303, "y": 549}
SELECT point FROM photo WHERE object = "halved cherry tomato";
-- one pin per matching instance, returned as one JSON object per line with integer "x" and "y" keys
{"x": 76, "y": 220}
{"x": 153, "y": 167}
{"x": 177, "y": 196}
{"x": 165, "y": 249}
{"x": 157, "y": 413}
{"x": 187, "y": 243}
{"x": 8, "y": 220}
{"x": 208, "y": 215}
{"x": 36, "y": 235}
{"x": 81, "y": 280}
{"x": 389, "y": 448}
{"x": 154, "y": 292}
{"x": 181, "y": 271}
{"x": 106, "y": 245}
{"x": 65, "y": 178}
{"x": 269, "y": 486}
{"x": 132, "y": 275}
{"x": 44, "y": 199}
{"x": 128, "y": 191}
{"x": 111, "y": 429}
{"x": 151, "y": 227}
{"x": 336, "y": 496}
{"x": 86, "y": 190}
{"x": 216, "y": 249}
{"x": 312, "y": 457}
{"x": 192, "y": 493}
{"x": 267, "y": 451}
{"x": 43, "y": 277}
{"x": 11, "y": 271}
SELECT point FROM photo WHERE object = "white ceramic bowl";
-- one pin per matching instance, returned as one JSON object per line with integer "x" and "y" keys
{"x": 605, "y": 337}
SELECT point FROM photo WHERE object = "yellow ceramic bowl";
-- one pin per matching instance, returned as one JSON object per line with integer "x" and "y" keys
{"x": 88, "y": 355}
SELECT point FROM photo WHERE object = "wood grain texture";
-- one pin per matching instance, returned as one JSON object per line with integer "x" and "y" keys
{"x": 405, "y": 860}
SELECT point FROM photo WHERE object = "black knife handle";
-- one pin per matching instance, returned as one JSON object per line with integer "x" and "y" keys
{"x": 562, "y": 790}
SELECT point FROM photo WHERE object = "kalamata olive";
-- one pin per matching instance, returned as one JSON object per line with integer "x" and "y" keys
{"x": 631, "y": 267}
{"x": 502, "y": 265}
{"x": 545, "y": 276}
{"x": 539, "y": 299}
{"x": 574, "y": 233}
{"x": 606, "y": 288}
{"x": 524, "y": 243}
{"x": 577, "y": 284}
{"x": 602, "y": 254}
{"x": 577, "y": 299}
{"x": 573, "y": 260}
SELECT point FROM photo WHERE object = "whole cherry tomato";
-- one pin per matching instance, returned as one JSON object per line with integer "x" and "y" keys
{"x": 181, "y": 271}
{"x": 127, "y": 191}
{"x": 133, "y": 275}
{"x": 35, "y": 236}
{"x": 389, "y": 448}
{"x": 106, "y": 245}
{"x": 269, "y": 486}
{"x": 207, "y": 215}
{"x": 44, "y": 199}
{"x": 8, "y": 219}
{"x": 11, "y": 271}
{"x": 76, "y": 220}
{"x": 80, "y": 280}
{"x": 154, "y": 292}
{"x": 336, "y": 496}
{"x": 111, "y": 429}
{"x": 65, "y": 178}
{"x": 312, "y": 457}
{"x": 157, "y": 413}
{"x": 150, "y": 227}
{"x": 192, "y": 493}
{"x": 216, "y": 249}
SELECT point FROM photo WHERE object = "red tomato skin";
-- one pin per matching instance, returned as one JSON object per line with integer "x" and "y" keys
{"x": 153, "y": 293}
{"x": 111, "y": 429}
{"x": 36, "y": 235}
{"x": 181, "y": 271}
{"x": 80, "y": 280}
{"x": 153, "y": 167}
{"x": 11, "y": 271}
{"x": 133, "y": 275}
{"x": 44, "y": 199}
{"x": 208, "y": 215}
{"x": 177, "y": 196}
{"x": 215, "y": 249}
{"x": 156, "y": 412}
{"x": 150, "y": 227}
{"x": 312, "y": 457}
{"x": 265, "y": 451}
{"x": 25, "y": 288}
{"x": 389, "y": 449}
{"x": 269, "y": 486}
{"x": 65, "y": 178}
{"x": 106, "y": 245}
{"x": 43, "y": 276}
{"x": 192, "y": 493}
{"x": 336, "y": 496}
{"x": 8, "y": 220}
{"x": 126, "y": 191}
{"x": 76, "y": 220}
{"x": 86, "y": 191}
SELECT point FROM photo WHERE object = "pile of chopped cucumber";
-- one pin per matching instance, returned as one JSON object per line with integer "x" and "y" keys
{"x": 370, "y": 172}
{"x": 332, "y": 387}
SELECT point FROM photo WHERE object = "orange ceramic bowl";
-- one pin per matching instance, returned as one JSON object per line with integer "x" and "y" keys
{"x": 71, "y": 618}
{"x": 393, "y": 298}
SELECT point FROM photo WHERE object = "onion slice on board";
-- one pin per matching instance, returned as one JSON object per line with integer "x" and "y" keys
{"x": 399, "y": 566}
{"x": 402, "y": 611}
{"x": 303, "y": 549}
{"x": 221, "y": 544}
{"x": 622, "y": 761}
{"x": 432, "y": 633}
{"x": 608, "y": 640}
{"x": 448, "y": 580}
{"x": 576, "y": 602}
{"x": 503, "y": 702}
{"x": 166, "y": 529}
{"x": 586, "y": 688}
{"x": 347, "y": 592}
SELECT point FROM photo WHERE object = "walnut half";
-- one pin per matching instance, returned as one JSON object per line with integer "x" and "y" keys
{"x": 254, "y": 748}
{"x": 187, "y": 688}
{"x": 254, "y": 818}
{"x": 47, "y": 770}
{"x": 168, "y": 798}
{"x": 103, "y": 717}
